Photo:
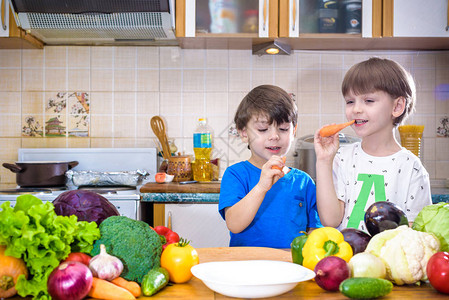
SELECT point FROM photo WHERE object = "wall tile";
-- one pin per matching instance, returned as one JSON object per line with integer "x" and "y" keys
{"x": 332, "y": 61}
{"x": 260, "y": 77}
{"x": 10, "y": 59}
{"x": 55, "y": 57}
{"x": 170, "y": 104}
{"x": 147, "y": 103}
{"x": 193, "y": 81}
{"x": 101, "y": 103}
{"x": 424, "y": 79}
{"x": 170, "y": 80}
{"x": 194, "y": 104}
{"x": 10, "y": 80}
{"x": 79, "y": 79}
{"x": 55, "y": 79}
{"x": 217, "y": 59}
{"x": 102, "y": 80}
{"x": 240, "y": 59}
{"x": 10, "y": 103}
{"x": 170, "y": 57}
{"x": 308, "y": 80}
{"x": 33, "y": 102}
{"x": 332, "y": 103}
{"x": 148, "y": 57}
{"x": 125, "y": 80}
{"x": 194, "y": 59}
{"x": 286, "y": 61}
{"x": 101, "y": 126}
{"x": 216, "y": 80}
{"x": 79, "y": 57}
{"x": 8, "y": 126}
{"x": 125, "y": 57}
{"x": 286, "y": 79}
{"x": 239, "y": 80}
{"x": 262, "y": 62}
{"x": 33, "y": 58}
{"x": 124, "y": 103}
{"x": 442, "y": 170}
{"x": 124, "y": 126}
{"x": 147, "y": 80}
{"x": 308, "y": 102}
{"x": 216, "y": 104}
{"x": 308, "y": 60}
{"x": 102, "y": 57}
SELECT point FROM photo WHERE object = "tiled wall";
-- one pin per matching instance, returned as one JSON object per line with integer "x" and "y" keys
{"x": 125, "y": 86}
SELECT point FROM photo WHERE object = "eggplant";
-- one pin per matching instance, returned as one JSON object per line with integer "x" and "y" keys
{"x": 384, "y": 215}
{"x": 356, "y": 238}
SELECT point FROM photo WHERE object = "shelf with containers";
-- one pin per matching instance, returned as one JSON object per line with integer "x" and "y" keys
{"x": 227, "y": 18}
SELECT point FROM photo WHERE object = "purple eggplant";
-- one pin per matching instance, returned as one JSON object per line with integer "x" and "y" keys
{"x": 384, "y": 215}
{"x": 356, "y": 238}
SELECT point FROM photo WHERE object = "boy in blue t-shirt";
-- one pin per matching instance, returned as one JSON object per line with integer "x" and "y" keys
{"x": 262, "y": 205}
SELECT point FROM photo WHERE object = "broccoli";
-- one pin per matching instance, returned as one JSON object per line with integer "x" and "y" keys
{"x": 133, "y": 242}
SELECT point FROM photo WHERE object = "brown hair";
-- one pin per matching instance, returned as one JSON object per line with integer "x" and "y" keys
{"x": 270, "y": 101}
{"x": 379, "y": 74}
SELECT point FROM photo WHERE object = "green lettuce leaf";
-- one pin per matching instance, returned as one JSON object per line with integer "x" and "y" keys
{"x": 33, "y": 232}
{"x": 435, "y": 219}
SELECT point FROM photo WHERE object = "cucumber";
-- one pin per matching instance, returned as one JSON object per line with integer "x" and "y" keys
{"x": 365, "y": 287}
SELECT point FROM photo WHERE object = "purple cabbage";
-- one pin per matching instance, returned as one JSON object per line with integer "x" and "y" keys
{"x": 86, "y": 205}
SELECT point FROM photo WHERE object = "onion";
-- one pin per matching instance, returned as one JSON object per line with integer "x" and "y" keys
{"x": 365, "y": 264}
{"x": 330, "y": 272}
{"x": 71, "y": 280}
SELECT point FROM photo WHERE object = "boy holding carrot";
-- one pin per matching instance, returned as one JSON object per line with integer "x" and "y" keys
{"x": 262, "y": 205}
{"x": 379, "y": 96}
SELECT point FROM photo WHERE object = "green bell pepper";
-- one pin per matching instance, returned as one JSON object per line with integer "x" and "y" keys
{"x": 296, "y": 248}
{"x": 154, "y": 281}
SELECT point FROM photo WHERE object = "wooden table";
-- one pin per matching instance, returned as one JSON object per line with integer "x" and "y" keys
{"x": 195, "y": 289}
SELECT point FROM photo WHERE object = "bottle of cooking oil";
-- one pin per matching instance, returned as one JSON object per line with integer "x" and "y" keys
{"x": 202, "y": 146}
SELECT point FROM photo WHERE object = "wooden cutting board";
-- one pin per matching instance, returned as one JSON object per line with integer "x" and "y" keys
{"x": 243, "y": 253}
{"x": 175, "y": 187}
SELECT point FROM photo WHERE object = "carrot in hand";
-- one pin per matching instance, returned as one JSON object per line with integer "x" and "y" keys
{"x": 103, "y": 289}
{"x": 333, "y": 129}
{"x": 284, "y": 158}
{"x": 131, "y": 286}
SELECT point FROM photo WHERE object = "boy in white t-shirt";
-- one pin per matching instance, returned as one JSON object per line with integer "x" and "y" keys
{"x": 379, "y": 95}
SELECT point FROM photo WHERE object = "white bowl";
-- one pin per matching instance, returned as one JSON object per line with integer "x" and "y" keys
{"x": 169, "y": 178}
{"x": 251, "y": 278}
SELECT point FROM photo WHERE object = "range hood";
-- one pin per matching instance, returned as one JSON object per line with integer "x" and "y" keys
{"x": 98, "y": 22}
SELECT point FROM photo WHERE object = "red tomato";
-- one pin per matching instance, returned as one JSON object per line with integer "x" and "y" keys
{"x": 79, "y": 257}
{"x": 438, "y": 271}
{"x": 160, "y": 177}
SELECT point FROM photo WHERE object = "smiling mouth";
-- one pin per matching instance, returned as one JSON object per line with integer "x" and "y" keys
{"x": 273, "y": 148}
{"x": 359, "y": 122}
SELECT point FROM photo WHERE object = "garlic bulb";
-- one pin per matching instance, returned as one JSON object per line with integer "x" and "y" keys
{"x": 105, "y": 266}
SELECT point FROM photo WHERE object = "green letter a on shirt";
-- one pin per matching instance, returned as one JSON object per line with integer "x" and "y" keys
{"x": 358, "y": 212}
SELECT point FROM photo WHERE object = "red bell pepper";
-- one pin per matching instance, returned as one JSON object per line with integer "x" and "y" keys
{"x": 167, "y": 236}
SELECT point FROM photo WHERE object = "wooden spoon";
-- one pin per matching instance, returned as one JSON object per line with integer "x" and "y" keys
{"x": 158, "y": 126}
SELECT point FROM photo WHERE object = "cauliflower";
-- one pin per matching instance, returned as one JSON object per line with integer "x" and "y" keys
{"x": 137, "y": 245}
{"x": 405, "y": 253}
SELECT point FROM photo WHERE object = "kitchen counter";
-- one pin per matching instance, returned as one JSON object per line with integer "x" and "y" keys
{"x": 173, "y": 192}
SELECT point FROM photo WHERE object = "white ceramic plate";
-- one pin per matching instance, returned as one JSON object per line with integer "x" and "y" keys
{"x": 251, "y": 278}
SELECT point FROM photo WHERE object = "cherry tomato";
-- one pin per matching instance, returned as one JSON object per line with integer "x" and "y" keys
{"x": 160, "y": 177}
{"x": 79, "y": 257}
{"x": 438, "y": 271}
{"x": 177, "y": 259}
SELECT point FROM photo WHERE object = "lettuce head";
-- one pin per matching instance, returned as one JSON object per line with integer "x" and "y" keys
{"x": 435, "y": 219}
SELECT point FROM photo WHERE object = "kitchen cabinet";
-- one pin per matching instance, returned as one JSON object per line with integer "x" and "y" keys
{"x": 299, "y": 18}
{"x": 199, "y": 223}
{"x": 227, "y": 18}
{"x": 13, "y": 37}
{"x": 416, "y": 18}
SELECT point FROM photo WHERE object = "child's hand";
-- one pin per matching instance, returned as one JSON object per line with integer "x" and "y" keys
{"x": 270, "y": 175}
{"x": 325, "y": 147}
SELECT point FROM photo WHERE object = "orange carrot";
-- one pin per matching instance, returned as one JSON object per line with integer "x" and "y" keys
{"x": 131, "y": 286}
{"x": 103, "y": 289}
{"x": 277, "y": 167}
{"x": 333, "y": 129}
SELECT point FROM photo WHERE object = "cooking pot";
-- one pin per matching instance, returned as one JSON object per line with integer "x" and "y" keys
{"x": 40, "y": 173}
{"x": 305, "y": 158}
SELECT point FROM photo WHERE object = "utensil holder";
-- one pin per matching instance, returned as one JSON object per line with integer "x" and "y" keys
{"x": 181, "y": 167}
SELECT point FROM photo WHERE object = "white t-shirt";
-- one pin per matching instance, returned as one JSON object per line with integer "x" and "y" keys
{"x": 364, "y": 179}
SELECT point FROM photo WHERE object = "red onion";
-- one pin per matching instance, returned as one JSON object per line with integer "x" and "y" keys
{"x": 330, "y": 272}
{"x": 71, "y": 280}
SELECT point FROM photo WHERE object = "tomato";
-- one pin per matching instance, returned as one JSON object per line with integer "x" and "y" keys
{"x": 79, "y": 257}
{"x": 159, "y": 177}
{"x": 438, "y": 271}
{"x": 177, "y": 259}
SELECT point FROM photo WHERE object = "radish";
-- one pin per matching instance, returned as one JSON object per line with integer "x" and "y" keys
{"x": 330, "y": 272}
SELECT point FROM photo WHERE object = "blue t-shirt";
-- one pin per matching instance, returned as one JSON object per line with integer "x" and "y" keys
{"x": 288, "y": 207}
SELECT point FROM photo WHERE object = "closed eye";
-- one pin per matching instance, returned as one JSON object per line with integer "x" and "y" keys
{"x": 349, "y": 102}
{"x": 284, "y": 129}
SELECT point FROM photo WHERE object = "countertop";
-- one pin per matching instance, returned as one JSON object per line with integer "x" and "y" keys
{"x": 209, "y": 192}
{"x": 174, "y": 192}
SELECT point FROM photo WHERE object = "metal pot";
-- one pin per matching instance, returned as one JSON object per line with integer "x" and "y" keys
{"x": 40, "y": 173}
{"x": 305, "y": 158}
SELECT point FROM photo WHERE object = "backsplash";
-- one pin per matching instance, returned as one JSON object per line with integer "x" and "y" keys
{"x": 105, "y": 96}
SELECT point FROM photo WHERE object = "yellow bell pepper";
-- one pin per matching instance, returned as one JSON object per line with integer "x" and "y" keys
{"x": 322, "y": 242}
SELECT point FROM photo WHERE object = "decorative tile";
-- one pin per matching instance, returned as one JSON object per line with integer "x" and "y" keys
{"x": 78, "y": 102}
{"x": 443, "y": 127}
{"x": 78, "y": 125}
{"x": 32, "y": 126}
{"x": 55, "y": 126}
{"x": 56, "y": 103}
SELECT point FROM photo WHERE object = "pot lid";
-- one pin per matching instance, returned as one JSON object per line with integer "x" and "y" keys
{"x": 42, "y": 162}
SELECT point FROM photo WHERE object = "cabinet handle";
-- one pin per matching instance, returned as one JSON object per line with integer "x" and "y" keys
{"x": 447, "y": 20}
{"x": 294, "y": 15}
{"x": 264, "y": 14}
{"x": 169, "y": 221}
{"x": 4, "y": 4}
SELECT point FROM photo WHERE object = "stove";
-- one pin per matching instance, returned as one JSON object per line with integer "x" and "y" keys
{"x": 125, "y": 198}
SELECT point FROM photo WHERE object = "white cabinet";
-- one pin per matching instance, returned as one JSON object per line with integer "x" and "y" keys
{"x": 417, "y": 18}
{"x": 127, "y": 208}
{"x": 199, "y": 223}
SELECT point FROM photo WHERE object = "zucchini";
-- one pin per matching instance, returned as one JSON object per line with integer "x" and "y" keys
{"x": 365, "y": 287}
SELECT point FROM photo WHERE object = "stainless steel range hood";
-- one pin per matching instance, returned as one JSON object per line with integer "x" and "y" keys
{"x": 98, "y": 22}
